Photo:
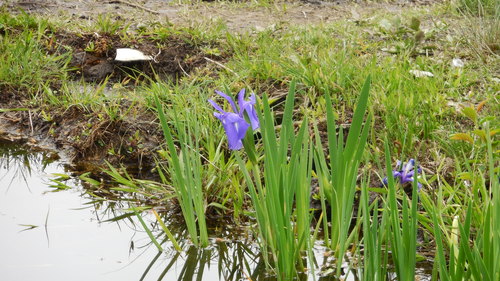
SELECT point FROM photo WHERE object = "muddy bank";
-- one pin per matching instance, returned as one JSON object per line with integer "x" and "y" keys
{"x": 82, "y": 135}
{"x": 84, "y": 139}
{"x": 93, "y": 56}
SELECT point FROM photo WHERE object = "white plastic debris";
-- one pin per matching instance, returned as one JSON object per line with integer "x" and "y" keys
{"x": 457, "y": 63}
{"x": 127, "y": 54}
{"x": 420, "y": 73}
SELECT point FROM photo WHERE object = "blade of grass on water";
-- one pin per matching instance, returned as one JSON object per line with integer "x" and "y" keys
{"x": 148, "y": 231}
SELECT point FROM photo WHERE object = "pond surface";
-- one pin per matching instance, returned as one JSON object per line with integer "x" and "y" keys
{"x": 66, "y": 233}
{"x": 49, "y": 235}
{"x": 52, "y": 234}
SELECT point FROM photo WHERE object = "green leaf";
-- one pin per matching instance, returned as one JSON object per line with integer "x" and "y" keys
{"x": 470, "y": 113}
{"x": 415, "y": 24}
{"x": 481, "y": 134}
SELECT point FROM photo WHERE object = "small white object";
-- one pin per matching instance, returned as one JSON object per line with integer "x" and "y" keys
{"x": 420, "y": 73}
{"x": 127, "y": 54}
{"x": 457, "y": 63}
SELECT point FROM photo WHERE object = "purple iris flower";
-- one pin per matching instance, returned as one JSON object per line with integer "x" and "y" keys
{"x": 234, "y": 123}
{"x": 405, "y": 174}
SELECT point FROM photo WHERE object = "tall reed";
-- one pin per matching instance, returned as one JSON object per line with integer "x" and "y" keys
{"x": 184, "y": 169}
{"x": 283, "y": 229}
{"x": 337, "y": 179}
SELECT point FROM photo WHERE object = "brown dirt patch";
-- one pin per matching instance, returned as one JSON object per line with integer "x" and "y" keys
{"x": 93, "y": 56}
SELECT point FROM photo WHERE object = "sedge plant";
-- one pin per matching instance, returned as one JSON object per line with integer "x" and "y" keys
{"x": 185, "y": 171}
{"x": 281, "y": 196}
{"x": 403, "y": 225}
{"x": 337, "y": 179}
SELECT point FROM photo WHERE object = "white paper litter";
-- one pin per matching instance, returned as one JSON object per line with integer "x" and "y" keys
{"x": 420, "y": 73}
{"x": 457, "y": 63}
{"x": 127, "y": 54}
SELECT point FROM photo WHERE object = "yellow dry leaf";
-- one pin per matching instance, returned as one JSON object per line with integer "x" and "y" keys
{"x": 462, "y": 136}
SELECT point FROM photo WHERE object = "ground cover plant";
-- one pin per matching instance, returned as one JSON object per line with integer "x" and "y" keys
{"x": 402, "y": 166}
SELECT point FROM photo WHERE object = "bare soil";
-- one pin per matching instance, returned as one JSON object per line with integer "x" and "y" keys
{"x": 238, "y": 16}
{"x": 172, "y": 58}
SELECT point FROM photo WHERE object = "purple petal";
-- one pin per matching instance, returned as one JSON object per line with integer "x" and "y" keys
{"x": 249, "y": 108}
{"x": 385, "y": 182}
{"x": 404, "y": 180}
{"x": 241, "y": 100}
{"x": 235, "y": 128}
{"x": 229, "y": 99}
{"x": 409, "y": 166}
{"x": 395, "y": 174}
{"x": 216, "y": 106}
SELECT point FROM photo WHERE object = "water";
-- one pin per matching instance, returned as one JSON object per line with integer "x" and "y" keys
{"x": 52, "y": 234}
{"x": 49, "y": 235}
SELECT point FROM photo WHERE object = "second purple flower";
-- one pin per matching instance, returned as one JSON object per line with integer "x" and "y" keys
{"x": 405, "y": 174}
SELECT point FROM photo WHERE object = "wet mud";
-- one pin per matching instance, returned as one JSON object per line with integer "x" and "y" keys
{"x": 93, "y": 56}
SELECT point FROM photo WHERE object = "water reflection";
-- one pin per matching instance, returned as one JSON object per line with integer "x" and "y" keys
{"x": 54, "y": 233}
{"x": 14, "y": 158}
{"x": 64, "y": 238}
{"x": 221, "y": 261}
{"x": 55, "y": 229}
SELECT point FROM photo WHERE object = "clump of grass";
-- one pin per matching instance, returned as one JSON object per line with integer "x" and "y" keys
{"x": 283, "y": 229}
{"x": 185, "y": 170}
{"x": 472, "y": 251}
{"x": 338, "y": 179}
{"x": 479, "y": 7}
{"x": 481, "y": 29}
{"x": 26, "y": 66}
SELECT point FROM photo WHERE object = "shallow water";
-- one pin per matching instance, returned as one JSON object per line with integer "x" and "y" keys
{"x": 51, "y": 234}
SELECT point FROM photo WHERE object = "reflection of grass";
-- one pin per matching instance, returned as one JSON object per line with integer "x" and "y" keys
{"x": 15, "y": 157}
{"x": 233, "y": 261}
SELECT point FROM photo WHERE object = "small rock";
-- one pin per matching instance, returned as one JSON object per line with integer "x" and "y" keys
{"x": 99, "y": 71}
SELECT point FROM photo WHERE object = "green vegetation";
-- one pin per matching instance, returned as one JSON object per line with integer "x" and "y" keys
{"x": 333, "y": 130}
{"x": 338, "y": 180}
{"x": 186, "y": 170}
{"x": 281, "y": 198}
